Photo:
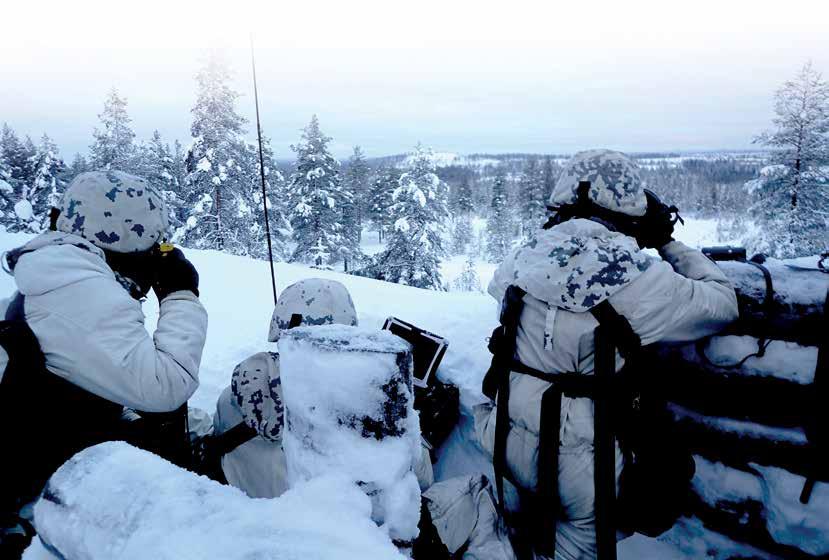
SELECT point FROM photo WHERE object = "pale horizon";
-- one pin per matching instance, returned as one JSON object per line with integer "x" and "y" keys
{"x": 464, "y": 78}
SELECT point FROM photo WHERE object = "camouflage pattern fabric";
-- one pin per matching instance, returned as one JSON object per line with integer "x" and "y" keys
{"x": 114, "y": 210}
{"x": 614, "y": 178}
{"x": 257, "y": 388}
{"x": 319, "y": 301}
{"x": 575, "y": 265}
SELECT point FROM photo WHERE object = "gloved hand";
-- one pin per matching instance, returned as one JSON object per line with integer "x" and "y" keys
{"x": 656, "y": 228}
{"x": 175, "y": 273}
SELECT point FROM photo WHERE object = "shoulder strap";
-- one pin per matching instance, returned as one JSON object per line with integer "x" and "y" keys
{"x": 624, "y": 337}
{"x": 226, "y": 442}
{"x": 15, "y": 310}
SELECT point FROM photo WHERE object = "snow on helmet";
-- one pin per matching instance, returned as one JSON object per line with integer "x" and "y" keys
{"x": 114, "y": 210}
{"x": 257, "y": 388}
{"x": 614, "y": 179}
{"x": 312, "y": 301}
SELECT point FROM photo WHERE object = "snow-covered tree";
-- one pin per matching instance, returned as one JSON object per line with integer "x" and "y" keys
{"x": 380, "y": 199}
{"x": 356, "y": 182}
{"x": 155, "y": 162}
{"x": 498, "y": 226}
{"x": 220, "y": 168}
{"x": 549, "y": 176}
{"x": 16, "y": 155}
{"x": 47, "y": 185}
{"x": 317, "y": 201}
{"x": 532, "y": 196}
{"x": 113, "y": 145}
{"x": 277, "y": 201}
{"x": 793, "y": 195}
{"x": 468, "y": 281}
{"x": 414, "y": 247}
{"x": 7, "y": 198}
{"x": 79, "y": 165}
{"x": 461, "y": 234}
{"x": 464, "y": 203}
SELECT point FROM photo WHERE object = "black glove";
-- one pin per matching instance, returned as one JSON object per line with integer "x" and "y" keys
{"x": 175, "y": 273}
{"x": 656, "y": 228}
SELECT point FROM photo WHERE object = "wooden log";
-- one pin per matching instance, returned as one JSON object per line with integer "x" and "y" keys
{"x": 772, "y": 389}
{"x": 760, "y": 505}
{"x": 740, "y": 443}
{"x": 796, "y": 312}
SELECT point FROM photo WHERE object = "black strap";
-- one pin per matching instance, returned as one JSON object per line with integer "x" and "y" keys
{"x": 226, "y": 442}
{"x": 604, "y": 448}
{"x": 817, "y": 433}
{"x": 15, "y": 310}
{"x": 614, "y": 331}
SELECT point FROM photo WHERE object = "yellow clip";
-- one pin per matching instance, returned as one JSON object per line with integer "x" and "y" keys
{"x": 166, "y": 248}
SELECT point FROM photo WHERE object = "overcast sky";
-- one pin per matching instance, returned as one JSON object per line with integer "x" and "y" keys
{"x": 466, "y": 77}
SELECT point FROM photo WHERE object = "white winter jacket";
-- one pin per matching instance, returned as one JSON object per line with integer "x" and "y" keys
{"x": 684, "y": 298}
{"x": 92, "y": 331}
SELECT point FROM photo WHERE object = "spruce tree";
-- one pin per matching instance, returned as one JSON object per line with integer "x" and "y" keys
{"x": 113, "y": 145}
{"x": 414, "y": 247}
{"x": 79, "y": 165}
{"x": 276, "y": 190}
{"x": 220, "y": 167}
{"x": 7, "y": 197}
{"x": 16, "y": 156}
{"x": 380, "y": 199}
{"x": 47, "y": 185}
{"x": 159, "y": 168}
{"x": 793, "y": 195}
{"x": 532, "y": 196}
{"x": 549, "y": 176}
{"x": 468, "y": 281}
{"x": 498, "y": 227}
{"x": 461, "y": 234}
{"x": 317, "y": 201}
{"x": 356, "y": 183}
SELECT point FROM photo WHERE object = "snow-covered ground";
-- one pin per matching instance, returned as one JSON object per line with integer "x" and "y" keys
{"x": 237, "y": 294}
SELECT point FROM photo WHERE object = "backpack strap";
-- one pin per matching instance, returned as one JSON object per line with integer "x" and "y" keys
{"x": 15, "y": 310}
{"x": 229, "y": 440}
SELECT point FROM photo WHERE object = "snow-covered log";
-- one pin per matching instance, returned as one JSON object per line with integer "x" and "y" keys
{"x": 796, "y": 312}
{"x": 715, "y": 378}
{"x": 761, "y": 505}
{"x": 115, "y": 501}
{"x": 739, "y": 443}
{"x": 350, "y": 409}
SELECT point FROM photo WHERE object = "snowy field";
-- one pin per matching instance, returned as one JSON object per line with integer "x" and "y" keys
{"x": 237, "y": 294}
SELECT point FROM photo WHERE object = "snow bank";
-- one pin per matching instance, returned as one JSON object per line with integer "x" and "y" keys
{"x": 116, "y": 501}
{"x": 350, "y": 410}
{"x": 769, "y": 497}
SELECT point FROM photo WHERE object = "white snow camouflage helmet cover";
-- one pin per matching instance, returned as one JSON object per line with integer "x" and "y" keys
{"x": 615, "y": 183}
{"x": 114, "y": 210}
{"x": 257, "y": 388}
{"x": 317, "y": 301}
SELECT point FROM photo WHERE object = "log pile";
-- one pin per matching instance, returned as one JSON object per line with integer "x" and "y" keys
{"x": 747, "y": 405}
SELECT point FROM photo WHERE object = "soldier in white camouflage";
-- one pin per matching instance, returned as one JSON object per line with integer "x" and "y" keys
{"x": 589, "y": 252}
{"x": 80, "y": 287}
{"x": 254, "y": 461}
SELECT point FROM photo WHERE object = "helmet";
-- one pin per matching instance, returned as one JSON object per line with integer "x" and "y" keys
{"x": 614, "y": 179}
{"x": 257, "y": 388}
{"x": 114, "y": 210}
{"x": 312, "y": 301}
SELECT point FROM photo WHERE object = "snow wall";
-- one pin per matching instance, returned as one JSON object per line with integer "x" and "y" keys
{"x": 350, "y": 410}
{"x": 746, "y": 403}
{"x": 113, "y": 501}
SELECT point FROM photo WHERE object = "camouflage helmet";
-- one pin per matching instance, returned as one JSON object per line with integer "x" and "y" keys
{"x": 614, "y": 179}
{"x": 314, "y": 301}
{"x": 257, "y": 389}
{"x": 114, "y": 210}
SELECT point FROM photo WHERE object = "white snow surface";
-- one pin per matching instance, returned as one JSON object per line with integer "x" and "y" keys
{"x": 782, "y": 360}
{"x": 114, "y": 501}
{"x": 332, "y": 376}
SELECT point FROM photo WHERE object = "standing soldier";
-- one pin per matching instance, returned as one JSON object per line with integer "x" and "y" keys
{"x": 75, "y": 351}
{"x": 585, "y": 265}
